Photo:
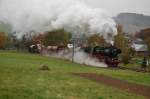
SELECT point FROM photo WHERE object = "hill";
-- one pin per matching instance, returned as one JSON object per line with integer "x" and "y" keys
{"x": 133, "y": 22}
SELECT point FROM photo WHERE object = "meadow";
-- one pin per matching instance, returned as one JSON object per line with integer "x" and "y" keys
{"x": 21, "y": 78}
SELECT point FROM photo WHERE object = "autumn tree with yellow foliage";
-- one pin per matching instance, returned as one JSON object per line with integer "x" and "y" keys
{"x": 121, "y": 42}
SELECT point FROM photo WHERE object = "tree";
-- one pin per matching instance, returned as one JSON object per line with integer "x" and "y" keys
{"x": 147, "y": 41}
{"x": 145, "y": 35}
{"x": 3, "y": 39}
{"x": 13, "y": 42}
{"x": 121, "y": 42}
{"x": 96, "y": 40}
{"x": 38, "y": 38}
{"x": 57, "y": 37}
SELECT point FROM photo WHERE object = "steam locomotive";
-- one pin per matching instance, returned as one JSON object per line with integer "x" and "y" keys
{"x": 108, "y": 55}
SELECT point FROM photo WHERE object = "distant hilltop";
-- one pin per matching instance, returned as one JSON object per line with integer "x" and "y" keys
{"x": 132, "y": 22}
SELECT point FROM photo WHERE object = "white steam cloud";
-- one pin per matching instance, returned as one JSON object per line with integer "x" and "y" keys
{"x": 83, "y": 58}
{"x": 74, "y": 16}
{"x": 45, "y": 15}
{"x": 78, "y": 57}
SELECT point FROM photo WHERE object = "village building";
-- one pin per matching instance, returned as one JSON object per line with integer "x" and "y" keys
{"x": 139, "y": 47}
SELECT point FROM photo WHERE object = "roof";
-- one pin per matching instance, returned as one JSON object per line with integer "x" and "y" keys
{"x": 140, "y": 47}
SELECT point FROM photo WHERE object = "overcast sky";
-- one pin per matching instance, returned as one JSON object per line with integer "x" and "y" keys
{"x": 117, "y": 6}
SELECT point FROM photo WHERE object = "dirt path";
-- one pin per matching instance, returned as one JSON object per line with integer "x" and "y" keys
{"x": 106, "y": 80}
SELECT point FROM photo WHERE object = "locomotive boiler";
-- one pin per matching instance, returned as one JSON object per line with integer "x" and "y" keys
{"x": 108, "y": 55}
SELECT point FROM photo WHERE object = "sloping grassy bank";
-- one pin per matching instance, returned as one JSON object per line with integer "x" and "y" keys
{"x": 21, "y": 78}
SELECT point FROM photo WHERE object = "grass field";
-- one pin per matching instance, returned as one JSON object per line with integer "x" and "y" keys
{"x": 21, "y": 78}
{"x": 136, "y": 63}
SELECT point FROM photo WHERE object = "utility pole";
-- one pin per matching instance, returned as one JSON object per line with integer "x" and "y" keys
{"x": 73, "y": 50}
{"x": 41, "y": 50}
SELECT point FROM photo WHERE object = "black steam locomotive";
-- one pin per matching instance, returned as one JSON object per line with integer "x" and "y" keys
{"x": 108, "y": 55}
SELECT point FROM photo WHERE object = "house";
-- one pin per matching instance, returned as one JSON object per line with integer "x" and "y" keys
{"x": 139, "y": 47}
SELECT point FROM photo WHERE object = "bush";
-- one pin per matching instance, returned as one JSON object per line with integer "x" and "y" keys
{"x": 3, "y": 40}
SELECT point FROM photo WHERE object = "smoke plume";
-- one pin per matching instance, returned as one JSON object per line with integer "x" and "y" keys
{"x": 73, "y": 16}
{"x": 83, "y": 58}
{"x": 46, "y": 15}
{"x": 78, "y": 57}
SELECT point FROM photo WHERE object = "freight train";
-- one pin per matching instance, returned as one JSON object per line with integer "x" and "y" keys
{"x": 108, "y": 55}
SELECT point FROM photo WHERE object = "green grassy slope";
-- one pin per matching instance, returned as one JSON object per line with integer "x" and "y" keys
{"x": 20, "y": 78}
